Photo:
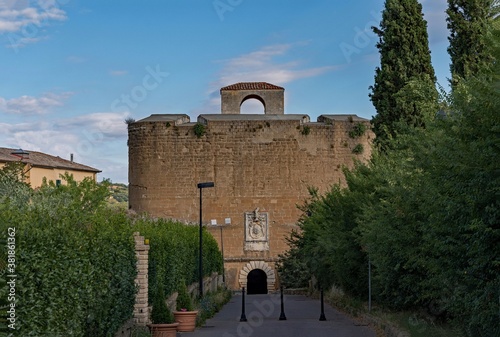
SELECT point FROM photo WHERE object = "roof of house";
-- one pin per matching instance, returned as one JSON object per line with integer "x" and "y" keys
{"x": 39, "y": 159}
{"x": 252, "y": 86}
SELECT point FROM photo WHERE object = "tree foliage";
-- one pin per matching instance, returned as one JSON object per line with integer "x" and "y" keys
{"x": 184, "y": 301}
{"x": 468, "y": 25}
{"x": 404, "y": 89}
{"x": 291, "y": 267}
{"x": 160, "y": 313}
{"x": 426, "y": 214}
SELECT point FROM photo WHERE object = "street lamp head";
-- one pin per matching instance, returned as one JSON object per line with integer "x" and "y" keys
{"x": 207, "y": 184}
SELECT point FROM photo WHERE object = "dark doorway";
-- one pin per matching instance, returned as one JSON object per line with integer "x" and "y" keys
{"x": 257, "y": 282}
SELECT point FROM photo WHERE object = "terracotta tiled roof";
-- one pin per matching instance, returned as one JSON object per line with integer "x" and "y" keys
{"x": 39, "y": 159}
{"x": 252, "y": 86}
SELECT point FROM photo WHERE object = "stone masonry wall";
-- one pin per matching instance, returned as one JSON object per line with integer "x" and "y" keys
{"x": 141, "y": 313}
{"x": 258, "y": 162}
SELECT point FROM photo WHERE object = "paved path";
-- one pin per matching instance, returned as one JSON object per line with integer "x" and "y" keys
{"x": 263, "y": 311}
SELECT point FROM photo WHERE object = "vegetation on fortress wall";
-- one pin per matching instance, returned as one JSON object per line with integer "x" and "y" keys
{"x": 426, "y": 214}
{"x": 75, "y": 261}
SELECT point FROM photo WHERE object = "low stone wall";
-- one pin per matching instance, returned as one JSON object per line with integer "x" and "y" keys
{"x": 210, "y": 284}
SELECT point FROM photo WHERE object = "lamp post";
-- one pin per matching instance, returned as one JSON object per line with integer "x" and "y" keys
{"x": 201, "y": 186}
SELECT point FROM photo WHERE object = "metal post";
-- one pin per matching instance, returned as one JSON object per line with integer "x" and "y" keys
{"x": 200, "y": 265}
{"x": 243, "y": 317}
{"x": 369, "y": 284}
{"x": 282, "y": 314}
{"x": 322, "y": 316}
{"x": 222, "y": 251}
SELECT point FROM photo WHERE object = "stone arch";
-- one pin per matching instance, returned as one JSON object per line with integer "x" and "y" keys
{"x": 254, "y": 96}
{"x": 270, "y": 95}
{"x": 271, "y": 276}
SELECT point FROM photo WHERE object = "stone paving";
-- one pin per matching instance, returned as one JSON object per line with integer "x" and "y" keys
{"x": 262, "y": 313}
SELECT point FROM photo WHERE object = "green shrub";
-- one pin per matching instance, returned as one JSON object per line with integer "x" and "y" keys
{"x": 358, "y": 149}
{"x": 292, "y": 268}
{"x": 75, "y": 260}
{"x": 357, "y": 130}
{"x": 184, "y": 301}
{"x": 161, "y": 314}
{"x": 199, "y": 130}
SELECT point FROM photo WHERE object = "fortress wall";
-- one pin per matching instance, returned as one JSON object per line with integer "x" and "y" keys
{"x": 265, "y": 164}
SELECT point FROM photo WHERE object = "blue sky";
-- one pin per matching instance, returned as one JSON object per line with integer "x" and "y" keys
{"x": 72, "y": 70}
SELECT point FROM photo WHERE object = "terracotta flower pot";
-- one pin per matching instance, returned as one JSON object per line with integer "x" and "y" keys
{"x": 186, "y": 319}
{"x": 164, "y": 330}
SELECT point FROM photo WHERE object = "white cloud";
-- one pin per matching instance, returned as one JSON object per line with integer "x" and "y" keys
{"x": 16, "y": 15}
{"x": 24, "y": 20}
{"x": 29, "y": 105}
{"x": 97, "y": 125}
{"x": 50, "y": 141}
{"x": 260, "y": 66}
{"x": 96, "y": 139}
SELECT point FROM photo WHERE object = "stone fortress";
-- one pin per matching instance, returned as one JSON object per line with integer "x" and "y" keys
{"x": 262, "y": 166}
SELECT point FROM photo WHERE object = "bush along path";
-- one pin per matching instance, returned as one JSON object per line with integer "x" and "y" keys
{"x": 74, "y": 257}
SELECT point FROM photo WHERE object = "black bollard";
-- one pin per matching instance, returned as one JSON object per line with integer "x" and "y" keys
{"x": 282, "y": 315}
{"x": 322, "y": 316}
{"x": 243, "y": 317}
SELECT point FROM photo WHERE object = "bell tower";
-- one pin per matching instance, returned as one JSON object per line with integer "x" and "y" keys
{"x": 270, "y": 95}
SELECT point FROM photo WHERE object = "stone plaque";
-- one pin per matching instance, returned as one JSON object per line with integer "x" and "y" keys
{"x": 256, "y": 230}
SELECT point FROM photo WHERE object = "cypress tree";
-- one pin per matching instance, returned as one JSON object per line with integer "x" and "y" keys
{"x": 468, "y": 25}
{"x": 404, "y": 92}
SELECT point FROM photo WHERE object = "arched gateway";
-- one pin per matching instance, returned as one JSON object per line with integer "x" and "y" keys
{"x": 252, "y": 277}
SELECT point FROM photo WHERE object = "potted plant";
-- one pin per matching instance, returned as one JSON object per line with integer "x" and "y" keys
{"x": 163, "y": 323}
{"x": 185, "y": 314}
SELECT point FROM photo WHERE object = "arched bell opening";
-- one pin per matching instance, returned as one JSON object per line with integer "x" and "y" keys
{"x": 252, "y": 104}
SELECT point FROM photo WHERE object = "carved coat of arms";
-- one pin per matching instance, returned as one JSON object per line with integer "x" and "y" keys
{"x": 256, "y": 230}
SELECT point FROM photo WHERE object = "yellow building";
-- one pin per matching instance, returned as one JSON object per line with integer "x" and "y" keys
{"x": 40, "y": 165}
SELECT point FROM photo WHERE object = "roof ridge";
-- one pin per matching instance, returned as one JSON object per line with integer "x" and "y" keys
{"x": 44, "y": 159}
{"x": 252, "y": 86}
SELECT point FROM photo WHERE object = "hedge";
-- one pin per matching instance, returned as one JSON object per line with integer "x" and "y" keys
{"x": 75, "y": 261}
{"x": 173, "y": 256}
{"x": 75, "y": 257}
